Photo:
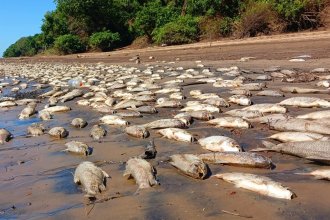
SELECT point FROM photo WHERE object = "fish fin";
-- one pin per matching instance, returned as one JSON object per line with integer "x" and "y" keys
{"x": 319, "y": 159}
{"x": 105, "y": 174}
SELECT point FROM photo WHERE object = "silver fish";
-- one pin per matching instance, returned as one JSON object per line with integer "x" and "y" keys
{"x": 190, "y": 165}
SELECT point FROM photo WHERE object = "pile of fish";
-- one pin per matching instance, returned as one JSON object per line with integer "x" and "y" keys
{"x": 122, "y": 94}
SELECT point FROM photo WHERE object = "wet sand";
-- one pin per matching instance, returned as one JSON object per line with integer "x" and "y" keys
{"x": 36, "y": 180}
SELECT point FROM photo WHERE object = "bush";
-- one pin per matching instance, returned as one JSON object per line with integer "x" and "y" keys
{"x": 25, "y": 46}
{"x": 209, "y": 27}
{"x": 68, "y": 44}
{"x": 103, "y": 41}
{"x": 257, "y": 18}
{"x": 226, "y": 27}
{"x": 182, "y": 31}
{"x": 141, "y": 42}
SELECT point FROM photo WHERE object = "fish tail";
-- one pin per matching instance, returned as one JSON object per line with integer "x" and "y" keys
{"x": 268, "y": 146}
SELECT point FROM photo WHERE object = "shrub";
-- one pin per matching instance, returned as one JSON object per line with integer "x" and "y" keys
{"x": 25, "y": 46}
{"x": 141, "y": 42}
{"x": 226, "y": 27}
{"x": 257, "y": 18}
{"x": 104, "y": 40}
{"x": 209, "y": 27}
{"x": 183, "y": 30}
{"x": 68, "y": 44}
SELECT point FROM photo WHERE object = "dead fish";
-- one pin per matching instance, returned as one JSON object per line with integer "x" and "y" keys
{"x": 230, "y": 122}
{"x": 128, "y": 104}
{"x": 78, "y": 148}
{"x": 60, "y": 93}
{"x": 312, "y": 150}
{"x": 323, "y": 83}
{"x": 144, "y": 98}
{"x": 142, "y": 171}
{"x": 177, "y": 95}
{"x": 45, "y": 115}
{"x": 71, "y": 95}
{"x": 150, "y": 151}
{"x": 113, "y": 120}
{"x": 28, "y": 111}
{"x": 88, "y": 95}
{"x": 240, "y": 100}
{"x": 190, "y": 165}
{"x": 110, "y": 101}
{"x": 306, "y": 102}
{"x": 52, "y": 101}
{"x": 244, "y": 159}
{"x": 169, "y": 104}
{"x": 97, "y": 132}
{"x": 128, "y": 114}
{"x": 58, "y": 132}
{"x": 201, "y": 107}
{"x": 6, "y": 104}
{"x": 177, "y": 134}
{"x": 165, "y": 123}
{"x": 272, "y": 93}
{"x": 168, "y": 90}
{"x": 36, "y": 129}
{"x": 316, "y": 115}
{"x": 218, "y": 102}
{"x": 79, "y": 123}
{"x": 253, "y": 86}
{"x": 266, "y": 108}
{"x": 83, "y": 102}
{"x": 299, "y": 90}
{"x": 57, "y": 108}
{"x": 145, "y": 109}
{"x": 244, "y": 113}
{"x": 91, "y": 177}
{"x": 185, "y": 118}
{"x": 240, "y": 92}
{"x": 321, "y": 174}
{"x": 298, "y": 136}
{"x": 5, "y": 135}
{"x": 302, "y": 125}
{"x": 259, "y": 184}
{"x": 219, "y": 144}
{"x": 201, "y": 115}
{"x": 269, "y": 118}
{"x": 51, "y": 92}
{"x": 137, "y": 131}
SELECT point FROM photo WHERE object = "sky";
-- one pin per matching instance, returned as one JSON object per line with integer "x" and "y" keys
{"x": 20, "y": 18}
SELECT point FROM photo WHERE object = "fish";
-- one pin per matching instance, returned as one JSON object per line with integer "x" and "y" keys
{"x": 318, "y": 151}
{"x": 257, "y": 183}
{"x": 57, "y": 108}
{"x": 128, "y": 113}
{"x": 78, "y": 148}
{"x": 190, "y": 165}
{"x": 218, "y": 102}
{"x": 113, "y": 120}
{"x": 240, "y": 100}
{"x": 128, "y": 104}
{"x": 201, "y": 107}
{"x": 150, "y": 151}
{"x": 137, "y": 131}
{"x": 302, "y": 125}
{"x": 71, "y": 95}
{"x": 177, "y": 95}
{"x": 201, "y": 115}
{"x": 240, "y": 92}
{"x": 165, "y": 123}
{"x": 242, "y": 159}
{"x": 298, "y": 136}
{"x": 28, "y": 111}
{"x": 45, "y": 115}
{"x": 316, "y": 115}
{"x": 58, "y": 132}
{"x": 219, "y": 144}
{"x": 91, "y": 177}
{"x": 266, "y": 108}
{"x": 169, "y": 104}
{"x": 177, "y": 134}
{"x": 306, "y": 102}
{"x": 168, "y": 90}
{"x": 185, "y": 118}
{"x": 36, "y": 129}
{"x": 323, "y": 83}
{"x": 230, "y": 122}
{"x": 272, "y": 93}
{"x": 321, "y": 174}
{"x": 51, "y": 92}
{"x": 97, "y": 132}
{"x": 142, "y": 171}
{"x": 5, "y": 135}
{"x": 6, "y": 104}
{"x": 145, "y": 109}
{"x": 79, "y": 123}
{"x": 269, "y": 118}
{"x": 299, "y": 90}
{"x": 247, "y": 114}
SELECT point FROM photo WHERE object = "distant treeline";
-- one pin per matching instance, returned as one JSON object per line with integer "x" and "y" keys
{"x": 103, "y": 25}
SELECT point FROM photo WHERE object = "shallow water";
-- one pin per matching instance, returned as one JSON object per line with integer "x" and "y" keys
{"x": 37, "y": 183}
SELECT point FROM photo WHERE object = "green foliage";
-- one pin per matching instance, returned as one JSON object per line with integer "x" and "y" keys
{"x": 25, "y": 46}
{"x": 104, "y": 40}
{"x": 181, "y": 31}
{"x": 213, "y": 7}
{"x": 68, "y": 44}
{"x": 226, "y": 26}
{"x": 257, "y": 18}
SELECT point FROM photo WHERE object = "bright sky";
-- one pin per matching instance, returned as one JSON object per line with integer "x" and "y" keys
{"x": 20, "y": 18}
